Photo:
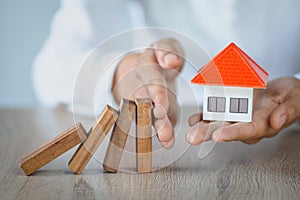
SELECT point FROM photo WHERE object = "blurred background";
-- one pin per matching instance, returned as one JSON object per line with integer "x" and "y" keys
{"x": 267, "y": 30}
{"x": 24, "y": 28}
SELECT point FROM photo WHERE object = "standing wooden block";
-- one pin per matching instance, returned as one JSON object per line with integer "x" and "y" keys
{"x": 53, "y": 148}
{"x": 119, "y": 136}
{"x": 86, "y": 150}
{"x": 144, "y": 135}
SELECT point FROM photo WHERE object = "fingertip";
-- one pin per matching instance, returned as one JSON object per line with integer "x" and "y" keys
{"x": 171, "y": 61}
{"x": 195, "y": 118}
{"x": 169, "y": 144}
{"x": 189, "y": 137}
{"x": 197, "y": 134}
{"x": 278, "y": 118}
{"x": 217, "y": 135}
{"x": 282, "y": 121}
{"x": 164, "y": 129}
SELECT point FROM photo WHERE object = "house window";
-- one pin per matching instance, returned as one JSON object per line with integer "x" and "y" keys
{"x": 216, "y": 104}
{"x": 239, "y": 105}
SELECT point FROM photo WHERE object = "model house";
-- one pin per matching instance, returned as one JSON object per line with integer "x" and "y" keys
{"x": 229, "y": 80}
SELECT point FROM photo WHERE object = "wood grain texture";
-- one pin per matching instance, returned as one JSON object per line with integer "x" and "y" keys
{"x": 143, "y": 135}
{"x": 119, "y": 136}
{"x": 269, "y": 169}
{"x": 53, "y": 148}
{"x": 86, "y": 150}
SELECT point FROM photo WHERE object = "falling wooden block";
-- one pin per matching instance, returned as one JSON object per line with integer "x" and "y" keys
{"x": 53, "y": 148}
{"x": 144, "y": 135}
{"x": 119, "y": 136}
{"x": 86, "y": 150}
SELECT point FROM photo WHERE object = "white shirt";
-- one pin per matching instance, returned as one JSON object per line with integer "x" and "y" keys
{"x": 269, "y": 31}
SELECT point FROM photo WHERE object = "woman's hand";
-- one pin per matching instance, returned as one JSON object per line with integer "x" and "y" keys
{"x": 273, "y": 109}
{"x": 152, "y": 74}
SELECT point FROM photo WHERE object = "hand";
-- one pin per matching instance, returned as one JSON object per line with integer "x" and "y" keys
{"x": 151, "y": 74}
{"x": 273, "y": 109}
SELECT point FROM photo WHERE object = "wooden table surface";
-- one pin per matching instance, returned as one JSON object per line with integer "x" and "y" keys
{"x": 267, "y": 170}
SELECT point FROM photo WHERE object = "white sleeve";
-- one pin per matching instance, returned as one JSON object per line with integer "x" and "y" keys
{"x": 297, "y": 75}
{"x": 92, "y": 89}
{"x": 57, "y": 64}
{"x": 76, "y": 29}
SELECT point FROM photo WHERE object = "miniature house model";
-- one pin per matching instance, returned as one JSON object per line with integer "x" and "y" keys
{"x": 229, "y": 79}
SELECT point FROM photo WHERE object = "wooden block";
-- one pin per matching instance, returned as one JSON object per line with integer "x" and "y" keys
{"x": 144, "y": 135}
{"x": 119, "y": 136}
{"x": 86, "y": 150}
{"x": 53, "y": 148}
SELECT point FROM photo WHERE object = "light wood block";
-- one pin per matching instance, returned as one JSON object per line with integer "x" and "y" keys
{"x": 144, "y": 135}
{"x": 53, "y": 148}
{"x": 86, "y": 150}
{"x": 119, "y": 136}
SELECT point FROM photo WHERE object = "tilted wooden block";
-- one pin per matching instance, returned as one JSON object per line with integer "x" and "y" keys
{"x": 144, "y": 135}
{"x": 86, "y": 150}
{"x": 119, "y": 136}
{"x": 53, "y": 148}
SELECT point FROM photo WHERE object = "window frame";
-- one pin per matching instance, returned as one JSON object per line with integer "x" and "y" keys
{"x": 239, "y": 105}
{"x": 217, "y": 99}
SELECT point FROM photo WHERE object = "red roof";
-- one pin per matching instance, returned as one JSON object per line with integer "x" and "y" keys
{"x": 232, "y": 67}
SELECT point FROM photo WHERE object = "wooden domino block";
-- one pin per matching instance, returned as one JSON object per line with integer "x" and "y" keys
{"x": 119, "y": 136}
{"x": 53, "y": 148}
{"x": 144, "y": 135}
{"x": 86, "y": 150}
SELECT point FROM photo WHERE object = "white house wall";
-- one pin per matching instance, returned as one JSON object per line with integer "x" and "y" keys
{"x": 227, "y": 92}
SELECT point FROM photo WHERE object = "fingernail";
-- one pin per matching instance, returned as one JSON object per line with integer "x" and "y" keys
{"x": 282, "y": 120}
{"x": 190, "y": 136}
{"x": 217, "y": 136}
{"x": 169, "y": 58}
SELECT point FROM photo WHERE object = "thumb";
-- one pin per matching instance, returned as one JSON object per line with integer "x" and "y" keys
{"x": 169, "y": 53}
{"x": 287, "y": 112}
